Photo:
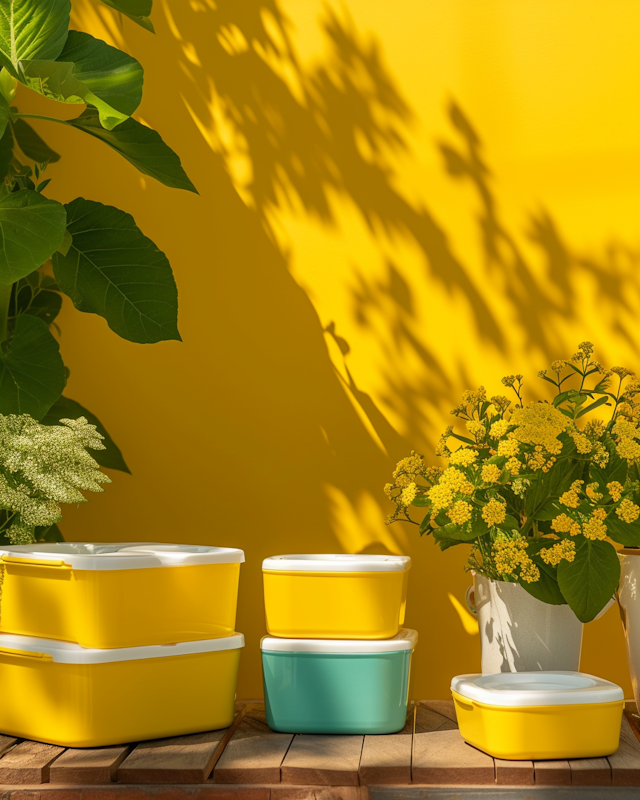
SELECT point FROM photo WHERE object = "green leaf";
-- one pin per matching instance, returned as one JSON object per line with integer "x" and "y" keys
{"x": 141, "y": 146}
{"x": 49, "y": 534}
{"x": 590, "y": 580}
{"x": 545, "y": 589}
{"x": 136, "y": 10}
{"x": 4, "y": 114}
{"x": 32, "y": 29}
{"x": 615, "y": 470}
{"x": 8, "y": 85}
{"x": 113, "y": 270}
{"x": 92, "y": 72}
{"x": 550, "y": 485}
{"x": 31, "y": 370}
{"x": 596, "y": 404}
{"x": 509, "y": 524}
{"x": 31, "y": 230}
{"x": 421, "y": 500}
{"x": 445, "y": 541}
{"x": 31, "y": 144}
{"x": 626, "y": 533}
{"x": 65, "y": 408}
{"x": 550, "y": 510}
{"x": 425, "y": 524}
{"x": 66, "y": 243}
{"x": 6, "y": 153}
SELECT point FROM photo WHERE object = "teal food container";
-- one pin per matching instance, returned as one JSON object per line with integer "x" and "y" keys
{"x": 337, "y": 685}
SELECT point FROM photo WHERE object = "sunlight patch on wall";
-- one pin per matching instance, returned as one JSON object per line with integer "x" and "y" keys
{"x": 469, "y": 622}
{"x": 358, "y": 526}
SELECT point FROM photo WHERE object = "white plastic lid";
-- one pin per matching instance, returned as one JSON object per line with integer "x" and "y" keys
{"x": 403, "y": 641}
{"x": 124, "y": 555}
{"x": 68, "y": 653}
{"x": 337, "y": 562}
{"x": 536, "y": 689}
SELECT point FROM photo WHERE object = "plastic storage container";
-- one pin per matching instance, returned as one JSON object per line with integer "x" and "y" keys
{"x": 61, "y": 693}
{"x": 337, "y": 686}
{"x": 539, "y": 715}
{"x": 119, "y": 595}
{"x": 335, "y": 596}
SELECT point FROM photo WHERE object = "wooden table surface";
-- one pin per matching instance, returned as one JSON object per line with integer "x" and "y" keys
{"x": 250, "y": 761}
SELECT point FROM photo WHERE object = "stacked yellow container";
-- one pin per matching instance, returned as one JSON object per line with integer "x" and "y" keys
{"x": 109, "y": 643}
{"x": 336, "y": 659}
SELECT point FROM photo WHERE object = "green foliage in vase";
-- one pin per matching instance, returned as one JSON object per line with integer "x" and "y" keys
{"x": 42, "y": 466}
{"x": 93, "y": 253}
{"x": 538, "y": 498}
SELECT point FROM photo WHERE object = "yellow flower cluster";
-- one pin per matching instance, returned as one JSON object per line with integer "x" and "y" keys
{"x": 592, "y": 492}
{"x": 491, "y": 473}
{"x": 508, "y": 447}
{"x": 411, "y": 465}
{"x": 627, "y": 446}
{"x": 476, "y": 429}
{"x": 499, "y": 428}
{"x": 408, "y": 494}
{"x": 463, "y": 457}
{"x": 553, "y": 555}
{"x": 583, "y": 443}
{"x": 511, "y": 554}
{"x": 539, "y": 424}
{"x": 440, "y": 496}
{"x": 514, "y": 466}
{"x": 615, "y": 489}
{"x": 494, "y": 512}
{"x": 594, "y": 527}
{"x": 564, "y": 524}
{"x": 460, "y": 512}
{"x": 571, "y": 497}
{"x": 456, "y": 481}
{"x": 628, "y": 511}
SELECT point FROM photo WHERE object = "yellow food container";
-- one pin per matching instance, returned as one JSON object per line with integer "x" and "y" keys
{"x": 335, "y": 596}
{"x": 539, "y": 715}
{"x": 119, "y": 595}
{"x": 64, "y": 694}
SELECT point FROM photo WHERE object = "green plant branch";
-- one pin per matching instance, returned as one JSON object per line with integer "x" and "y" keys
{"x": 40, "y": 116}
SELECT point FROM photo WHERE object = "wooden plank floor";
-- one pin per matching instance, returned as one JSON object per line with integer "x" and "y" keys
{"x": 248, "y": 760}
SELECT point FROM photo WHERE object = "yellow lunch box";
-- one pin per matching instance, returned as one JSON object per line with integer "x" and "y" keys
{"x": 119, "y": 595}
{"x": 335, "y": 596}
{"x": 539, "y": 715}
{"x": 64, "y": 694}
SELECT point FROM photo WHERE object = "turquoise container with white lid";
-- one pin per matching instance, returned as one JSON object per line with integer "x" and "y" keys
{"x": 337, "y": 685}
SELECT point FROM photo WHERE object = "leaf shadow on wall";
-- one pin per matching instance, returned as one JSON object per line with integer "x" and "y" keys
{"x": 265, "y": 132}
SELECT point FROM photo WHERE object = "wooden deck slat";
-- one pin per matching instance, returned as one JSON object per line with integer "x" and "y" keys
{"x": 514, "y": 773}
{"x": 443, "y": 757}
{"x": 282, "y": 792}
{"x": 590, "y": 772}
{"x": 93, "y": 766}
{"x": 182, "y": 759}
{"x": 552, "y": 773}
{"x": 625, "y": 762}
{"x": 444, "y": 707}
{"x": 28, "y": 763}
{"x": 254, "y": 752}
{"x": 429, "y": 720}
{"x": 387, "y": 759}
{"x": 323, "y": 760}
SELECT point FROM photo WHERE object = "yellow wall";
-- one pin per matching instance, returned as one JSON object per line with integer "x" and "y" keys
{"x": 398, "y": 202}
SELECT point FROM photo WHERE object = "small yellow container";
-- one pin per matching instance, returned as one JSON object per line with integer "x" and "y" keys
{"x": 539, "y": 715}
{"x": 119, "y": 595}
{"x": 335, "y": 596}
{"x": 61, "y": 693}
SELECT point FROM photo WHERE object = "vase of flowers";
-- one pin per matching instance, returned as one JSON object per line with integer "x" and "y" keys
{"x": 537, "y": 496}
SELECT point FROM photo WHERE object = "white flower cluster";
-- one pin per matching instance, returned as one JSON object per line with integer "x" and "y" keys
{"x": 42, "y": 466}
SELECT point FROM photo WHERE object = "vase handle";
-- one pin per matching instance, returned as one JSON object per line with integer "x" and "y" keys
{"x": 470, "y": 597}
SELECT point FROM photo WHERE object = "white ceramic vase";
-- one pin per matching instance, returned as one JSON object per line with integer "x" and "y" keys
{"x": 629, "y": 601}
{"x": 519, "y": 633}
